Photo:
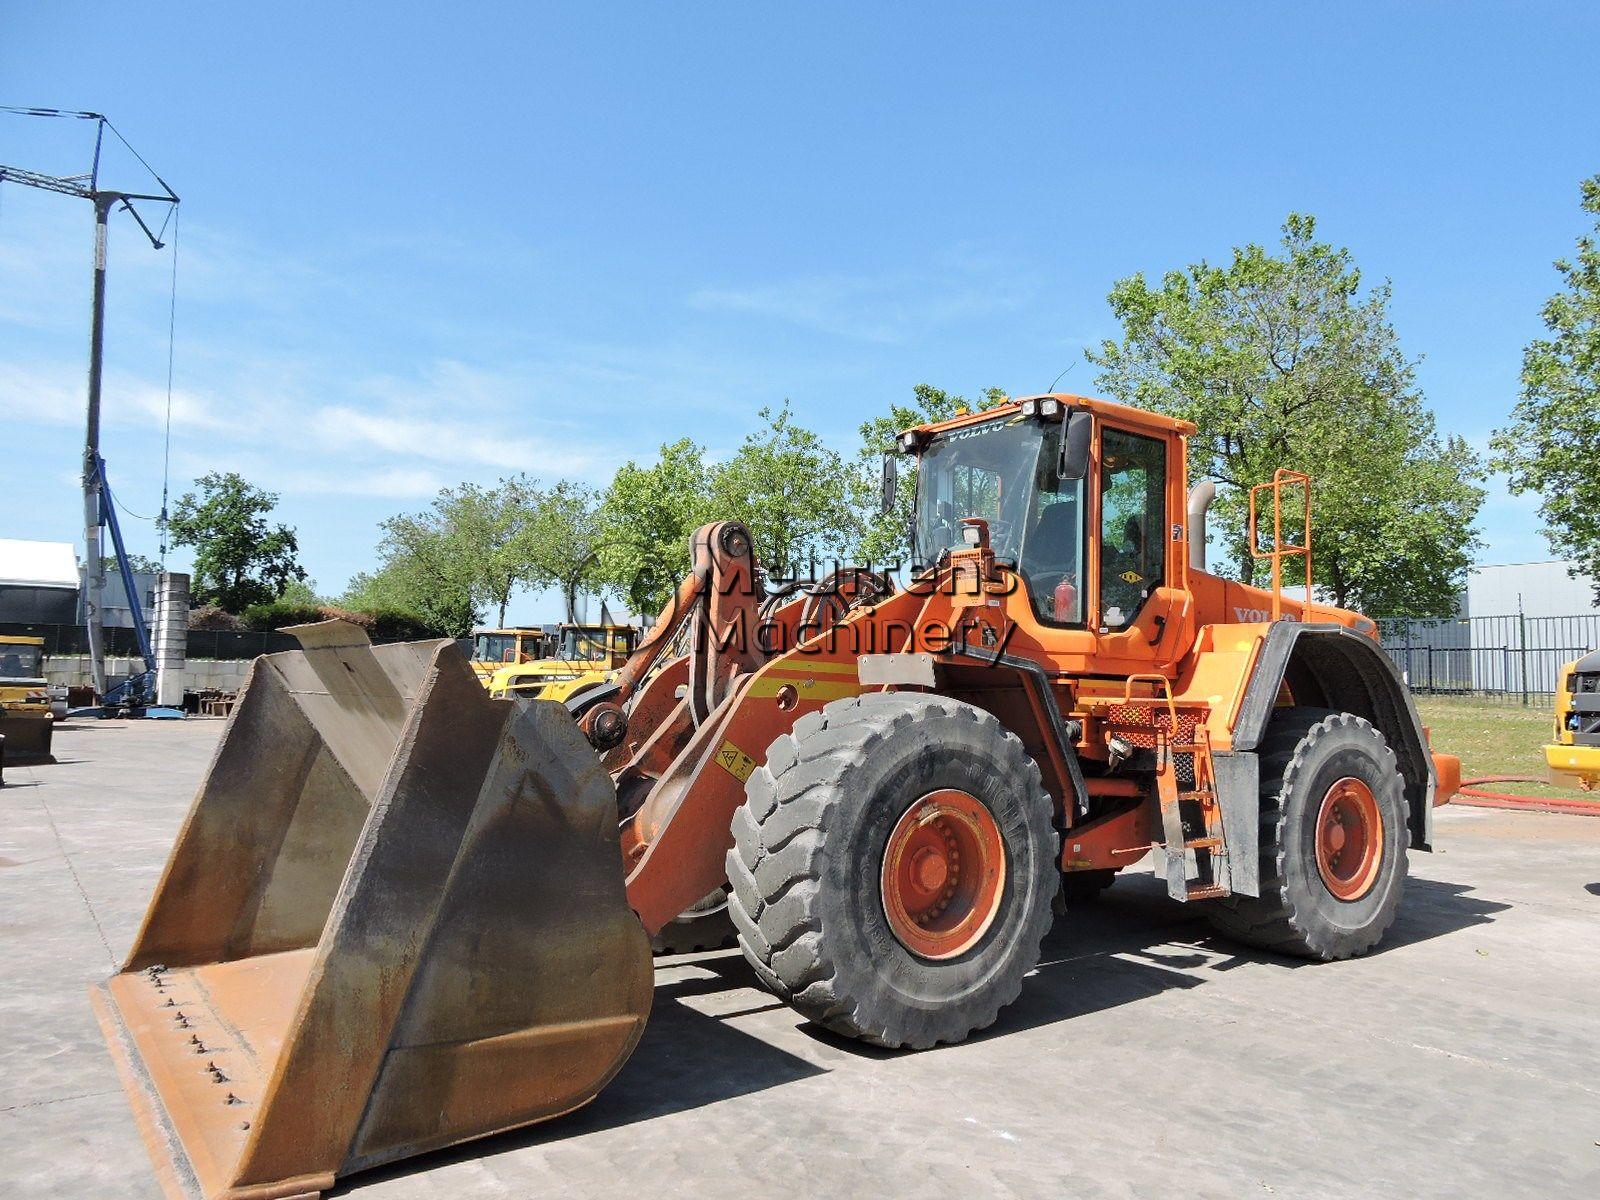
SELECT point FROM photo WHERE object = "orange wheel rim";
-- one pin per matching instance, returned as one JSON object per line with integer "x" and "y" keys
{"x": 944, "y": 869}
{"x": 1349, "y": 839}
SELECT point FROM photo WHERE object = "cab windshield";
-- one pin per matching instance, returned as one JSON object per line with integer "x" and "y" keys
{"x": 21, "y": 662}
{"x": 495, "y": 647}
{"x": 1005, "y": 471}
{"x": 583, "y": 645}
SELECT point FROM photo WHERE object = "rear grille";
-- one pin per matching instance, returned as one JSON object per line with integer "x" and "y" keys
{"x": 1586, "y": 683}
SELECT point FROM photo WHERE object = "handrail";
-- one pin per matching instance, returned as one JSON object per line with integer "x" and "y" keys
{"x": 1281, "y": 478}
{"x": 1166, "y": 687}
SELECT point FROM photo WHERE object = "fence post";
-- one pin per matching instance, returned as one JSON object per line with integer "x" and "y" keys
{"x": 1522, "y": 645}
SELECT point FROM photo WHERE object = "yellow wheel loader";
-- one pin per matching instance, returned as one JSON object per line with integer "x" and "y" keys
{"x": 495, "y": 649}
{"x": 1573, "y": 754}
{"x": 401, "y": 914}
{"x": 577, "y": 658}
{"x": 28, "y": 710}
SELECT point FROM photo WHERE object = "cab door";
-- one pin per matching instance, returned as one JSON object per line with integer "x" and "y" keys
{"x": 1138, "y": 538}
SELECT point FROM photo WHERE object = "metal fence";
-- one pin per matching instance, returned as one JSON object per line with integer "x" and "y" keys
{"x": 1515, "y": 655}
{"x": 1508, "y": 656}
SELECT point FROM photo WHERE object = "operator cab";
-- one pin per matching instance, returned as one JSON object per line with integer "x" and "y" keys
{"x": 1025, "y": 472}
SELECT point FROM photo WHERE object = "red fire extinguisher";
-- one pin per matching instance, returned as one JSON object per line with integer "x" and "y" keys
{"x": 1066, "y": 600}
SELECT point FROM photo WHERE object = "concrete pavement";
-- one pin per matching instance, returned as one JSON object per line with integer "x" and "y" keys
{"x": 1145, "y": 1057}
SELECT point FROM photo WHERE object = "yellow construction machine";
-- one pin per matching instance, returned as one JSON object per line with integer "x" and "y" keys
{"x": 577, "y": 658}
{"x": 27, "y": 719}
{"x": 1573, "y": 755}
{"x": 402, "y": 914}
{"x": 494, "y": 649}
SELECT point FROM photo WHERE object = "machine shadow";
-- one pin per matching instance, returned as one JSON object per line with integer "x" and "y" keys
{"x": 1134, "y": 943}
{"x": 1131, "y": 944}
{"x": 686, "y": 1059}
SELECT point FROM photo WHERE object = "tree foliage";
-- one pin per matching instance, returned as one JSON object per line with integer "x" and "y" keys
{"x": 792, "y": 493}
{"x": 474, "y": 546}
{"x": 1280, "y": 359}
{"x": 884, "y": 541}
{"x": 644, "y": 523}
{"x": 240, "y": 558}
{"x": 564, "y": 537}
{"x": 784, "y": 483}
{"x": 1551, "y": 444}
{"x": 408, "y": 584}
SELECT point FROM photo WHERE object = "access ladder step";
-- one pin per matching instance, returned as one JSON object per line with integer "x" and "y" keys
{"x": 1206, "y": 891}
{"x": 1203, "y": 843}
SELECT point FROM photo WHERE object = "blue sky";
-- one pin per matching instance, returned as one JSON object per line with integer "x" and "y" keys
{"x": 425, "y": 243}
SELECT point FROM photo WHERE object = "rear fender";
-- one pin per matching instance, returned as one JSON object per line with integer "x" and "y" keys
{"x": 1331, "y": 666}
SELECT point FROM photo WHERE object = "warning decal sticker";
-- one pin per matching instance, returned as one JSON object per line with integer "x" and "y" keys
{"x": 735, "y": 761}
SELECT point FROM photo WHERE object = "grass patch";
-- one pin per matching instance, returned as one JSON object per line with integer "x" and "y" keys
{"x": 1494, "y": 736}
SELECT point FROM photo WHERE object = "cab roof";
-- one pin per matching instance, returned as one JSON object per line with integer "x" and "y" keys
{"x": 1126, "y": 414}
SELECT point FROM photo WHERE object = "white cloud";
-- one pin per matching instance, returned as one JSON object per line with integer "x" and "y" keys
{"x": 882, "y": 307}
{"x": 464, "y": 441}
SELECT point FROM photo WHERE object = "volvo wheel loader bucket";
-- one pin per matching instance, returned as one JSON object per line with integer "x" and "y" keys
{"x": 393, "y": 920}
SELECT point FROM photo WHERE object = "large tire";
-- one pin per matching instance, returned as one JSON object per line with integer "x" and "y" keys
{"x": 1305, "y": 753}
{"x": 706, "y": 926}
{"x": 808, "y": 854}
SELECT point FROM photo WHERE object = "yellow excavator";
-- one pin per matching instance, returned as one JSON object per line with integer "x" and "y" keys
{"x": 402, "y": 914}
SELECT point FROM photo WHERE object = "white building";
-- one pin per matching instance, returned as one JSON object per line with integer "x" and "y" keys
{"x": 38, "y": 582}
{"x": 1533, "y": 589}
{"x": 1515, "y": 626}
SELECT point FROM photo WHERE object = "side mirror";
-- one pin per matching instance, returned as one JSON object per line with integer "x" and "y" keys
{"x": 891, "y": 478}
{"x": 1075, "y": 436}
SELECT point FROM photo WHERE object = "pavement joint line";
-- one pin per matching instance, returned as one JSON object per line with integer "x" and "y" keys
{"x": 1246, "y": 1001}
{"x": 55, "y": 1100}
{"x": 78, "y": 883}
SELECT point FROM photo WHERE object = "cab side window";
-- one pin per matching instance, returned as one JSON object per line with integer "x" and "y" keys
{"x": 1133, "y": 519}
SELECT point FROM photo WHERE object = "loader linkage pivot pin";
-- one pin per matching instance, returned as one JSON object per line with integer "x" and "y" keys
{"x": 605, "y": 726}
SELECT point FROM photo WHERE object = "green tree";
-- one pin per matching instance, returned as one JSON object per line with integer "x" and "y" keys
{"x": 792, "y": 492}
{"x": 137, "y": 563}
{"x": 475, "y": 546}
{"x": 302, "y": 591}
{"x": 644, "y": 522}
{"x": 1551, "y": 443}
{"x": 563, "y": 539}
{"x": 1282, "y": 360}
{"x": 884, "y": 539}
{"x": 240, "y": 558}
{"x": 442, "y": 606}
{"x": 480, "y": 541}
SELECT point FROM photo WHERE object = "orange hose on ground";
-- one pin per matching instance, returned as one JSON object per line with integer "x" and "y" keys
{"x": 1476, "y": 797}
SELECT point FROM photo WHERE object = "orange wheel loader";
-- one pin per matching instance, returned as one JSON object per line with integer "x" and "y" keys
{"x": 401, "y": 914}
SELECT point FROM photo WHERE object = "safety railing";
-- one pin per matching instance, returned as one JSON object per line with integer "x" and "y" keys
{"x": 1283, "y": 479}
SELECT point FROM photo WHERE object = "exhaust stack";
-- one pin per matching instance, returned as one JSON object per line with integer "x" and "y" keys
{"x": 1200, "y": 497}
